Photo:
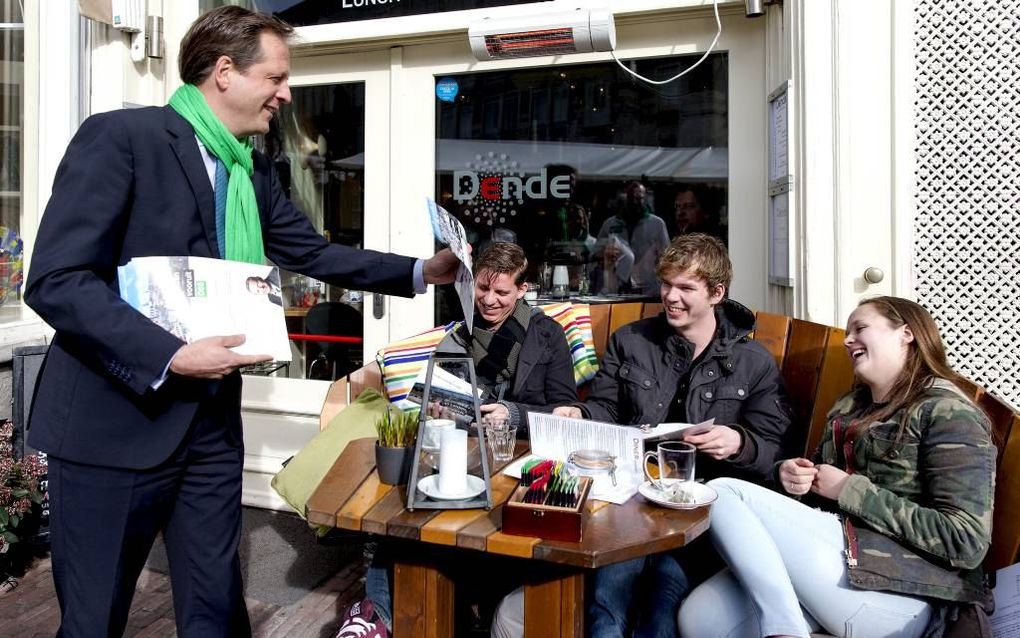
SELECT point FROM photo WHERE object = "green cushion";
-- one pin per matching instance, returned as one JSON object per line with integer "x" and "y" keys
{"x": 296, "y": 482}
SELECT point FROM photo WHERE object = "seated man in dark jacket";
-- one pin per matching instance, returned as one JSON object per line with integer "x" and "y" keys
{"x": 692, "y": 363}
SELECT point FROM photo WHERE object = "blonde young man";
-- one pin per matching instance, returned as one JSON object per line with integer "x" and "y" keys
{"x": 691, "y": 363}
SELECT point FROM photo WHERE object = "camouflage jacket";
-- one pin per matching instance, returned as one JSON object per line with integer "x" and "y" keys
{"x": 917, "y": 514}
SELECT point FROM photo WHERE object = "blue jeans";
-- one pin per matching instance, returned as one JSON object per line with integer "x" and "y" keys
{"x": 787, "y": 575}
{"x": 664, "y": 585}
{"x": 377, "y": 585}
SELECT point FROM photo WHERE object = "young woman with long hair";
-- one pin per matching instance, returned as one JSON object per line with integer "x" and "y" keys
{"x": 897, "y": 504}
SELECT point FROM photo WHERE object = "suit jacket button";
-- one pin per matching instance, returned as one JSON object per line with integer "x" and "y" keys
{"x": 708, "y": 395}
{"x": 740, "y": 392}
{"x": 648, "y": 383}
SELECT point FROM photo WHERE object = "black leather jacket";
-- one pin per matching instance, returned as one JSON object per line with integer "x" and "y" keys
{"x": 737, "y": 382}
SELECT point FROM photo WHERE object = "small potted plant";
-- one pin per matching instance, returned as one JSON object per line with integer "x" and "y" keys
{"x": 394, "y": 450}
{"x": 20, "y": 497}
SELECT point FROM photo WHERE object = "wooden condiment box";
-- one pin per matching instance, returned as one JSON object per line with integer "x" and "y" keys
{"x": 546, "y": 521}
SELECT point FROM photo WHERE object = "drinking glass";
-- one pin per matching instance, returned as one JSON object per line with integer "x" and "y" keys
{"x": 676, "y": 465}
{"x": 502, "y": 438}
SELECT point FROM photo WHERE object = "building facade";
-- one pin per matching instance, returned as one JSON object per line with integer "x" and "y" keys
{"x": 841, "y": 148}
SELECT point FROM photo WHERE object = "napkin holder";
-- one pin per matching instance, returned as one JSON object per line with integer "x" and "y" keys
{"x": 548, "y": 522}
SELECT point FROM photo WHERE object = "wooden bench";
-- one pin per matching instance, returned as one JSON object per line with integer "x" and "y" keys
{"x": 816, "y": 371}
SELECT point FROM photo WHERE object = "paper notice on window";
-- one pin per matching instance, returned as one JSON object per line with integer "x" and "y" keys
{"x": 555, "y": 437}
{"x": 449, "y": 231}
{"x": 1006, "y": 619}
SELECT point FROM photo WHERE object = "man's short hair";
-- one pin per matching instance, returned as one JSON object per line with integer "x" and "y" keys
{"x": 703, "y": 254}
{"x": 503, "y": 257}
{"x": 232, "y": 31}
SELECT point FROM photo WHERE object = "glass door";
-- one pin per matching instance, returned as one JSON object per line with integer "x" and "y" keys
{"x": 329, "y": 149}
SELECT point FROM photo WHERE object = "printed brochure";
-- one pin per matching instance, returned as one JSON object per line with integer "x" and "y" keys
{"x": 197, "y": 297}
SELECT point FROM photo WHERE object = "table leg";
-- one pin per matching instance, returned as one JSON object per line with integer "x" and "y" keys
{"x": 422, "y": 601}
{"x": 555, "y": 608}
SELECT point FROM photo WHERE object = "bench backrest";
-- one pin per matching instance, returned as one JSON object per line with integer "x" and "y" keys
{"x": 816, "y": 371}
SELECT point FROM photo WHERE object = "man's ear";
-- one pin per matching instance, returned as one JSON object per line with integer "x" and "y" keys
{"x": 718, "y": 294}
{"x": 221, "y": 72}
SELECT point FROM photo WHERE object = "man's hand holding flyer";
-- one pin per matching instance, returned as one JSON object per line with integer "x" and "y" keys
{"x": 449, "y": 231}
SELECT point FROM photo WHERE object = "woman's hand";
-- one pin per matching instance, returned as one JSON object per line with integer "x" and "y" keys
{"x": 568, "y": 411}
{"x": 494, "y": 412}
{"x": 797, "y": 476}
{"x": 829, "y": 481}
{"x": 719, "y": 442}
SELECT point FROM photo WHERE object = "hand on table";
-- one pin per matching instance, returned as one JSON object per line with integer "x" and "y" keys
{"x": 212, "y": 358}
{"x": 720, "y": 442}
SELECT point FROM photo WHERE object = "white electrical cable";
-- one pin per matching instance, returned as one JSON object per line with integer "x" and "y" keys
{"x": 718, "y": 32}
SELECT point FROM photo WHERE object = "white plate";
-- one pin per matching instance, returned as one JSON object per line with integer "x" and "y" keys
{"x": 430, "y": 487}
{"x": 703, "y": 495}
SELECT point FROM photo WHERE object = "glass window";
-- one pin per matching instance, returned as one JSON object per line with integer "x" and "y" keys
{"x": 584, "y": 166}
{"x": 12, "y": 60}
{"x": 318, "y": 146}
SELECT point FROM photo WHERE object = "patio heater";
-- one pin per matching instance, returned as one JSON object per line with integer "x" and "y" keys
{"x": 578, "y": 31}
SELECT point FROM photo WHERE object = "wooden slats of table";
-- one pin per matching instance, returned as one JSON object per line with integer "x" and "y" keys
{"x": 349, "y": 471}
{"x": 351, "y": 497}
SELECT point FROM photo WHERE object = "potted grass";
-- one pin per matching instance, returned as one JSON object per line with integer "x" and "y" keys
{"x": 394, "y": 449}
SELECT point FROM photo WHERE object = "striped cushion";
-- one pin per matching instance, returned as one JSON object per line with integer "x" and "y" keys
{"x": 402, "y": 361}
{"x": 575, "y": 319}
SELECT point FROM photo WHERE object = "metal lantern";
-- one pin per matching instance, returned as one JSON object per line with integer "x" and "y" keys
{"x": 443, "y": 452}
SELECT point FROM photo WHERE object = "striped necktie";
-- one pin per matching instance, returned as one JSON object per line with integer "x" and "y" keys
{"x": 220, "y": 196}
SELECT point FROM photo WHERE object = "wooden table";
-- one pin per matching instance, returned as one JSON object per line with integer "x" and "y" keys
{"x": 351, "y": 497}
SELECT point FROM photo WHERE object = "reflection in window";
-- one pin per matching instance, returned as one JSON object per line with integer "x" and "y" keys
{"x": 317, "y": 144}
{"x": 586, "y": 167}
{"x": 12, "y": 83}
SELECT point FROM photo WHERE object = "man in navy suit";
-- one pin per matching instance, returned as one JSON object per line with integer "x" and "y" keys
{"x": 143, "y": 430}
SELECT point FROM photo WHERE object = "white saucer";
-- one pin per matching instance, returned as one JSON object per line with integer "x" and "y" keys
{"x": 703, "y": 495}
{"x": 430, "y": 487}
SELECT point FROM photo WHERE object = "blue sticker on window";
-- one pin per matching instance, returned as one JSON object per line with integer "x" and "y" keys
{"x": 447, "y": 89}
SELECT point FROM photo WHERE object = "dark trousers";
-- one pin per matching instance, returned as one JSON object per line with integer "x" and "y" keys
{"x": 104, "y": 521}
{"x": 641, "y": 596}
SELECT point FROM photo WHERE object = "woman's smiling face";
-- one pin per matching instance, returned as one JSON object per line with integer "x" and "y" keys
{"x": 496, "y": 294}
{"x": 877, "y": 348}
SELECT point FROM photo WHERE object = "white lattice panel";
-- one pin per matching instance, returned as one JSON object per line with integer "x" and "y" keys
{"x": 967, "y": 229}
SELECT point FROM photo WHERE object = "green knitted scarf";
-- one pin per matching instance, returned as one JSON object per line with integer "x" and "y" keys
{"x": 243, "y": 232}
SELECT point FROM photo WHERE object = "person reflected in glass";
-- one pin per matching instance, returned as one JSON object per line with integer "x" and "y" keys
{"x": 897, "y": 503}
{"x": 690, "y": 216}
{"x": 571, "y": 242}
{"x": 522, "y": 364}
{"x": 630, "y": 243}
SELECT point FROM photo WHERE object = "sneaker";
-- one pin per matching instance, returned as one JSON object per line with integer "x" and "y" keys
{"x": 362, "y": 622}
